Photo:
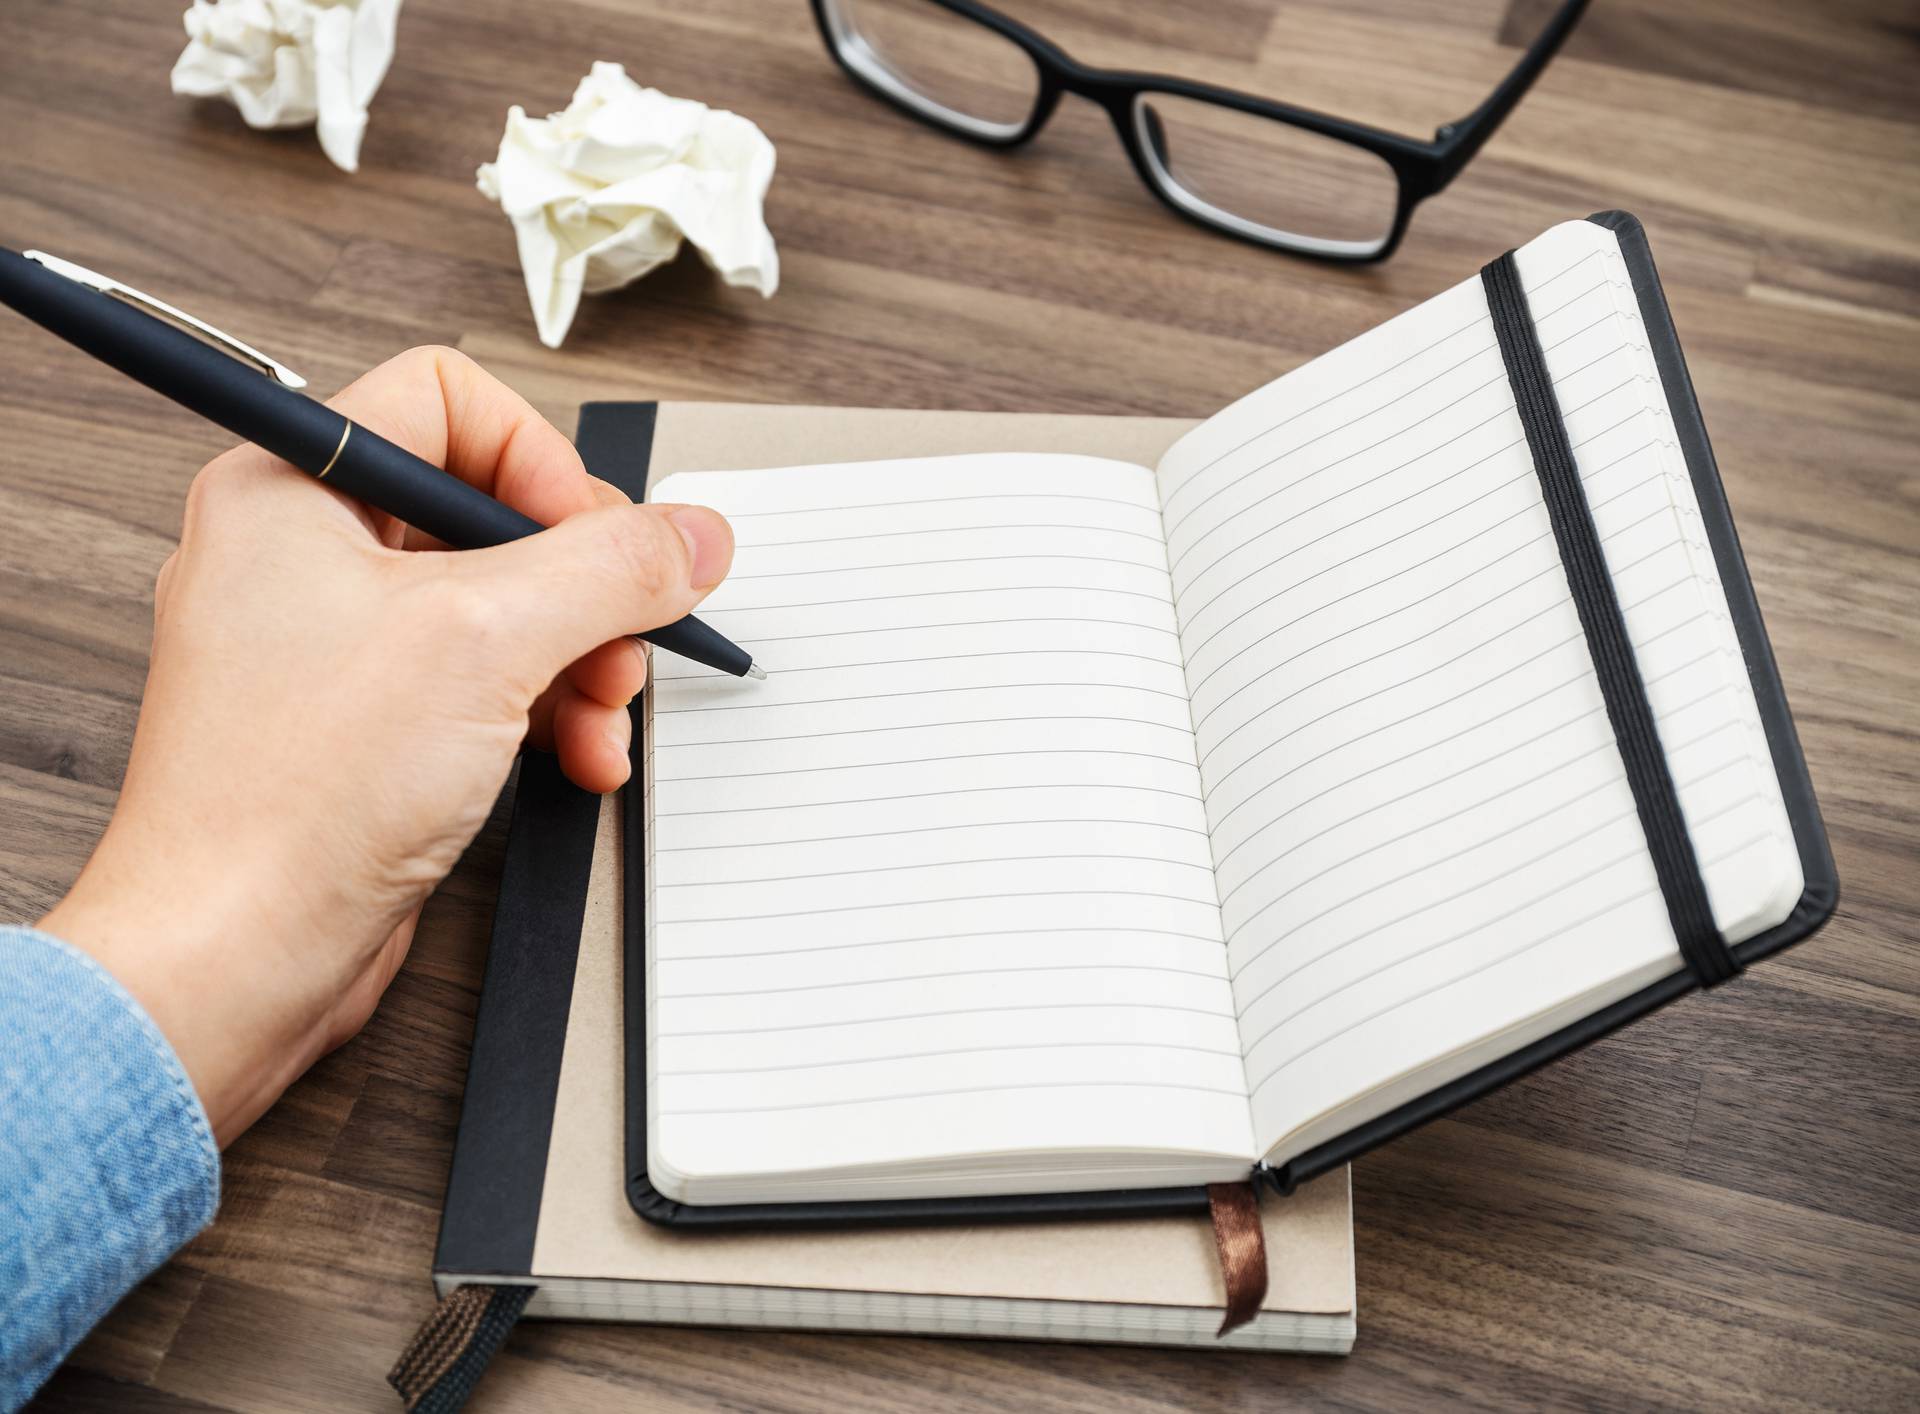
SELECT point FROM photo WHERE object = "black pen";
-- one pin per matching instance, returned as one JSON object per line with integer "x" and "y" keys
{"x": 98, "y": 315}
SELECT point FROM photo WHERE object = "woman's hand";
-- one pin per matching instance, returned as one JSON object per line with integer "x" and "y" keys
{"x": 332, "y": 708}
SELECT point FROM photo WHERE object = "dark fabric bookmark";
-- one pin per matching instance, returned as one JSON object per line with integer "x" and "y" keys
{"x": 1621, "y": 684}
{"x": 448, "y": 1354}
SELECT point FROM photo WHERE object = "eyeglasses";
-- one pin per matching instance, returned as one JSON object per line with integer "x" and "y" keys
{"x": 1279, "y": 176}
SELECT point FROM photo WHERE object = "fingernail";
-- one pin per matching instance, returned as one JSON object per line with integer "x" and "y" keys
{"x": 709, "y": 543}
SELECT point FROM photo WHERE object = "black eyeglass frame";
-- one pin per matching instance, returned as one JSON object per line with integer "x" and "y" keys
{"x": 1421, "y": 168}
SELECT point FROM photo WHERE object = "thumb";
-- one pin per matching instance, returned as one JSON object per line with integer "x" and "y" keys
{"x": 597, "y": 576}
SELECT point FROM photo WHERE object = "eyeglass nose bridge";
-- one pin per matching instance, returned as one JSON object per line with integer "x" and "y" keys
{"x": 1109, "y": 89}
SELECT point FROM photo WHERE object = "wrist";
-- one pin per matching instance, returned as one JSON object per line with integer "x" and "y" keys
{"x": 177, "y": 949}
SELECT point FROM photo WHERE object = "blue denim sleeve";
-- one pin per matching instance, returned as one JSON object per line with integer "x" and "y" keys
{"x": 107, "y": 1162}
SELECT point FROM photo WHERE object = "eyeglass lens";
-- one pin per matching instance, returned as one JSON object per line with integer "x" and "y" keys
{"x": 946, "y": 65}
{"x": 1267, "y": 179}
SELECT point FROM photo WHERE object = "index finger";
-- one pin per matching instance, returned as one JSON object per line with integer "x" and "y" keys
{"x": 443, "y": 407}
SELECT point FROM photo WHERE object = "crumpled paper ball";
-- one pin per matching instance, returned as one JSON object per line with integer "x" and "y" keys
{"x": 603, "y": 192}
{"x": 286, "y": 63}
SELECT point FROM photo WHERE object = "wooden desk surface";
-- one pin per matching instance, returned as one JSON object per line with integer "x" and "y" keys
{"x": 1716, "y": 1208}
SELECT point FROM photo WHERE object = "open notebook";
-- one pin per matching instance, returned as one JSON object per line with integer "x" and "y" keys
{"x": 1109, "y": 827}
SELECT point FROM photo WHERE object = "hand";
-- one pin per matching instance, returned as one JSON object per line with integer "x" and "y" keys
{"x": 332, "y": 708}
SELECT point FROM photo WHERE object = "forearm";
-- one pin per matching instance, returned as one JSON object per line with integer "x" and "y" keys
{"x": 107, "y": 1162}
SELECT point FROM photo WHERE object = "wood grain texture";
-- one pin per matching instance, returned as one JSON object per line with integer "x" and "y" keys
{"x": 1714, "y": 1209}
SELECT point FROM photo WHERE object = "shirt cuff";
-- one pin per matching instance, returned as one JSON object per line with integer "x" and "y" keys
{"x": 107, "y": 1162}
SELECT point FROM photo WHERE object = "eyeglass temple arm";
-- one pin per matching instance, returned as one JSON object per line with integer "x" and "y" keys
{"x": 1459, "y": 141}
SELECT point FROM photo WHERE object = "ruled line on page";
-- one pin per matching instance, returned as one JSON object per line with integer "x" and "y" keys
{"x": 1355, "y": 488}
{"x": 1497, "y": 380}
{"x": 1354, "y": 387}
{"x": 932, "y": 829}
{"x": 923, "y": 692}
{"x": 926, "y": 795}
{"x": 1501, "y": 793}
{"x": 959, "y": 1051}
{"x": 944, "y": 530}
{"x": 1610, "y": 783}
{"x": 1480, "y": 568}
{"x": 1333, "y": 603}
{"x": 950, "y": 1011}
{"x": 1560, "y": 845}
{"x": 1585, "y": 674}
{"x": 1095, "y": 933}
{"x": 1529, "y": 509}
{"x": 996, "y": 497}
{"x": 927, "y": 761}
{"x": 1192, "y": 613}
{"x": 957, "y": 560}
{"x": 1373, "y": 377}
{"x": 922, "y": 726}
{"x": 1491, "y": 963}
{"x": 1607, "y": 783}
{"x": 691, "y": 920}
{"x": 1478, "y": 927}
{"x": 930, "y": 864}
{"x": 1553, "y": 647}
{"x": 1582, "y": 676}
{"x": 708, "y": 610}
{"x": 945, "y": 977}
{"x": 961, "y": 1090}
{"x": 787, "y": 672}
{"x": 1552, "y": 606}
{"x": 1555, "y": 568}
{"x": 1341, "y": 708}
{"x": 964, "y": 623}
{"x": 1458, "y": 473}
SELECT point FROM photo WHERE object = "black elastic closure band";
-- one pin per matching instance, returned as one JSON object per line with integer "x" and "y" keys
{"x": 1658, "y": 803}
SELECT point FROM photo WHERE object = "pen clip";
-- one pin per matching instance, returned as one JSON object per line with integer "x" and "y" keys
{"x": 274, "y": 369}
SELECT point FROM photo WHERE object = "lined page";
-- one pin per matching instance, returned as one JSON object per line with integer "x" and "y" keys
{"x": 1424, "y": 839}
{"x": 941, "y": 885}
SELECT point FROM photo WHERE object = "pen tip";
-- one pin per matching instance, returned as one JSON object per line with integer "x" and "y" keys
{"x": 756, "y": 672}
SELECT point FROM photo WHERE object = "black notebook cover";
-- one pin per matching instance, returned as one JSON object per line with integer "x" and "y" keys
{"x": 499, "y": 1161}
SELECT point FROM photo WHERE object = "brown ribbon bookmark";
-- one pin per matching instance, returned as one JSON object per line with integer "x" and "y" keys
{"x": 1242, "y": 1244}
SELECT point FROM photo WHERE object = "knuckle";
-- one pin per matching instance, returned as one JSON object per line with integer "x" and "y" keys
{"x": 215, "y": 489}
{"x": 432, "y": 355}
{"x": 423, "y": 366}
{"x": 472, "y": 635}
{"x": 442, "y": 364}
{"x": 649, "y": 554}
{"x": 213, "y": 481}
{"x": 462, "y": 609}
{"x": 468, "y": 632}
{"x": 163, "y": 584}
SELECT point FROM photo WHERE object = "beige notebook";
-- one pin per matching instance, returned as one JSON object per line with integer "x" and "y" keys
{"x": 539, "y": 1189}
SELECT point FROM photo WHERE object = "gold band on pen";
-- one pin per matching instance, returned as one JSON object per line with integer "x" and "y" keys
{"x": 345, "y": 433}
